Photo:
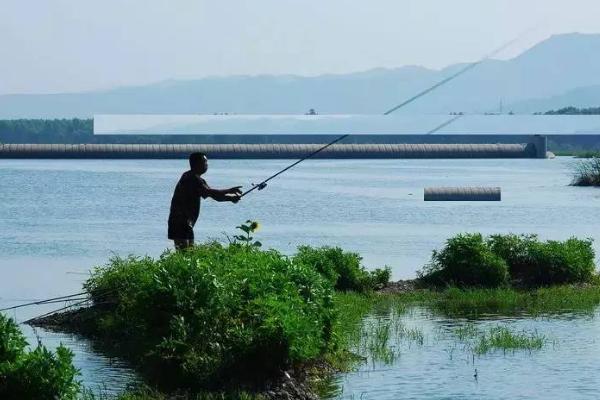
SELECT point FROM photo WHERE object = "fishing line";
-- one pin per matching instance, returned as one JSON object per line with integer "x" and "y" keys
{"x": 468, "y": 67}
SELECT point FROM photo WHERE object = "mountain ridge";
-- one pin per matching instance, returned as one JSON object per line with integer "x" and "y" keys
{"x": 555, "y": 67}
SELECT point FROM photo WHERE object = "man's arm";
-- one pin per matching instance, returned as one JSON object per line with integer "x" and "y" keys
{"x": 231, "y": 194}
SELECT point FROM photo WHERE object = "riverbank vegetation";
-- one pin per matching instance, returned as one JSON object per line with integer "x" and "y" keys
{"x": 236, "y": 321}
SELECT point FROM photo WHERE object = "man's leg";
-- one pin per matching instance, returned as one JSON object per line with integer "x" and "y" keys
{"x": 182, "y": 244}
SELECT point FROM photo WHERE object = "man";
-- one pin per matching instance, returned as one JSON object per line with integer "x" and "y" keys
{"x": 185, "y": 204}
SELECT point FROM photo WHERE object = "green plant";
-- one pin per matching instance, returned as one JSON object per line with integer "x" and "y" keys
{"x": 515, "y": 250}
{"x": 342, "y": 269}
{"x": 466, "y": 260}
{"x": 246, "y": 239}
{"x": 38, "y": 374}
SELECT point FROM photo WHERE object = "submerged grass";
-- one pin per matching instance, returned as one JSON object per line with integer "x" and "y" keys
{"x": 378, "y": 337}
{"x": 557, "y": 299}
{"x": 502, "y": 338}
{"x": 498, "y": 338}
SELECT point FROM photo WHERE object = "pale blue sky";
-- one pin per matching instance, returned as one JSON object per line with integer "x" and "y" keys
{"x": 73, "y": 45}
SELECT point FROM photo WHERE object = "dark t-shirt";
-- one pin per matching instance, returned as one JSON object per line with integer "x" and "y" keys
{"x": 185, "y": 204}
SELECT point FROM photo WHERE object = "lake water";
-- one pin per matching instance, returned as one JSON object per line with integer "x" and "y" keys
{"x": 59, "y": 218}
{"x": 444, "y": 366}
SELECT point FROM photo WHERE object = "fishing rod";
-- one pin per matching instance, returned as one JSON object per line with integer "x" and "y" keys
{"x": 445, "y": 124}
{"x": 468, "y": 67}
{"x": 263, "y": 184}
{"x": 452, "y": 77}
{"x": 50, "y": 300}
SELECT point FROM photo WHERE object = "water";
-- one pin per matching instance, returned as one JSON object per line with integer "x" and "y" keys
{"x": 444, "y": 366}
{"x": 59, "y": 218}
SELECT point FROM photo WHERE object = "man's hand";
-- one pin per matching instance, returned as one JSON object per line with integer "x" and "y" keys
{"x": 234, "y": 190}
{"x": 234, "y": 198}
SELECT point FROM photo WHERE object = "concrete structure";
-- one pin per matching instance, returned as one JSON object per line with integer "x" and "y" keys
{"x": 536, "y": 149}
{"x": 462, "y": 194}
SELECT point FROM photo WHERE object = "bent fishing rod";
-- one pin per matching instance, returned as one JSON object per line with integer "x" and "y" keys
{"x": 467, "y": 68}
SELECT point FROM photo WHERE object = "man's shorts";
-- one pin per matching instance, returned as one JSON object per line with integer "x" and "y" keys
{"x": 180, "y": 230}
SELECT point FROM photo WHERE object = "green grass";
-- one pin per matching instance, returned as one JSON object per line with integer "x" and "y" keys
{"x": 502, "y": 338}
{"x": 498, "y": 338}
{"x": 377, "y": 338}
{"x": 577, "y": 153}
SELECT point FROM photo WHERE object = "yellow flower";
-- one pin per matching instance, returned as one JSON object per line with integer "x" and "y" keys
{"x": 254, "y": 226}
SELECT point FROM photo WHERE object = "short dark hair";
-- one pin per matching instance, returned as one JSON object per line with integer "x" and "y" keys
{"x": 196, "y": 159}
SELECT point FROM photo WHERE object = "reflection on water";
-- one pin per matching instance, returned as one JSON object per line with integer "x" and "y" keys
{"x": 59, "y": 218}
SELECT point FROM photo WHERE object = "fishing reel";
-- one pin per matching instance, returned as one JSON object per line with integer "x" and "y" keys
{"x": 260, "y": 186}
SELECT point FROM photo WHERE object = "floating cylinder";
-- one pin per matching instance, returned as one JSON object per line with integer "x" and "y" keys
{"x": 463, "y": 194}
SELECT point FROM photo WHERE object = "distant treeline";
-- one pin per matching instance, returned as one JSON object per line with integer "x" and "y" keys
{"x": 574, "y": 111}
{"x": 75, "y": 131}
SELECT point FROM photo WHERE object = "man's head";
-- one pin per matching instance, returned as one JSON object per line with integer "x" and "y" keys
{"x": 198, "y": 163}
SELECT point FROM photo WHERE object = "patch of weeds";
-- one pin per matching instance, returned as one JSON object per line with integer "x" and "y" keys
{"x": 502, "y": 338}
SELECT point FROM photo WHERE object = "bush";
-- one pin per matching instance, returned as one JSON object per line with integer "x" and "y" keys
{"x": 39, "y": 374}
{"x": 342, "y": 269}
{"x": 515, "y": 250}
{"x": 587, "y": 172}
{"x": 465, "y": 261}
{"x": 469, "y": 260}
{"x": 556, "y": 262}
{"x": 214, "y": 314}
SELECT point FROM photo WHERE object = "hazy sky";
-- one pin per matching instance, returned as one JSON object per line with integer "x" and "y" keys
{"x": 72, "y": 45}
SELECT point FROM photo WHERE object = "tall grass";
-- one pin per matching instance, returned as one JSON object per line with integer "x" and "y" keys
{"x": 502, "y": 338}
{"x": 379, "y": 336}
{"x": 587, "y": 172}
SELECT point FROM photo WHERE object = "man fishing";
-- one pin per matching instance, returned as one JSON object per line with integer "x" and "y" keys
{"x": 185, "y": 204}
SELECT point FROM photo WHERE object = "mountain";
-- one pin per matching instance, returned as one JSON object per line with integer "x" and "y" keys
{"x": 555, "y": 70}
